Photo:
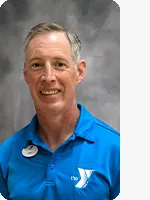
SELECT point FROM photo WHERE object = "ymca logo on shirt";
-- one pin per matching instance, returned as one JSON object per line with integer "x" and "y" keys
{"x": 84, "y": 176}
{"x": 1, "y": 197}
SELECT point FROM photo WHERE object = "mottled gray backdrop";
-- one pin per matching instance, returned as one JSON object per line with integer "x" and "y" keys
{"x": 97, "y": 22}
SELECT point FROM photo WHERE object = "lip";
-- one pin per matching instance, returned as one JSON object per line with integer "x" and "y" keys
{"x": 49, "y": 94}
{"x": 51, "y": 89}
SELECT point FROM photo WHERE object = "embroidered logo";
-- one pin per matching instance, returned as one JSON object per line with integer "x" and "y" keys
{"x": 1, "y": 197}
{"x": 85, "y": 175}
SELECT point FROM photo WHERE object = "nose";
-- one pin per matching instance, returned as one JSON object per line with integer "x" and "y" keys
{"x": 48, "y": 74}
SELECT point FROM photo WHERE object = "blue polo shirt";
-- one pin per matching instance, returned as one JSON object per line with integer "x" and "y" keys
{"x": 85, "y": 167}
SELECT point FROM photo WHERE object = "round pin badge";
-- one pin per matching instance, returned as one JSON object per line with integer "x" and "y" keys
{"x": 30, "y": 151}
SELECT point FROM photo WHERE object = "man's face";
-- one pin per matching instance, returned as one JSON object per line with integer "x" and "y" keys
{"x": 50, "y": 72}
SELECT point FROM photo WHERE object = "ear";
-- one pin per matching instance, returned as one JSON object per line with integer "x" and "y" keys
{"x": 81, "y": 69}
{"x": 25, "y": 73}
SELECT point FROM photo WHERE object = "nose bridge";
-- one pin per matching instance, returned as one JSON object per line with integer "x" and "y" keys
{"x": 48, "y": 68}
{"x": 48, "y": 74}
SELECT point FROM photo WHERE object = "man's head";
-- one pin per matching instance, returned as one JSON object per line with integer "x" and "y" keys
{"x": 45, "y": 28}
{"x": 53, "y": 67}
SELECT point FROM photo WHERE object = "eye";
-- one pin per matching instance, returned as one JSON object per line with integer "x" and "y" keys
{"x": 59, "y": 64}
{"x": 36, "y": 65}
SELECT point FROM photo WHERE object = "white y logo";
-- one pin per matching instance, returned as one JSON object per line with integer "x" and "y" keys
{"x": 1, "y": 197}
{"x": 84, "y": 174}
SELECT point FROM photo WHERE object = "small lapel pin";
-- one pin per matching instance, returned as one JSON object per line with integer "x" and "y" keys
{"x": 30, "y": 151}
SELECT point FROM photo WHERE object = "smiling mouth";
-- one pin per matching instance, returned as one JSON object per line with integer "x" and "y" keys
{"x": 46, "y": 92}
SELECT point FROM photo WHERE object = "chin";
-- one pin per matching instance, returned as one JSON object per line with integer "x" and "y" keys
{"x": 56, "y": 107}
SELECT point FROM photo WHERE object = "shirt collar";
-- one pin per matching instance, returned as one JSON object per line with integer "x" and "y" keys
{"x": 83, "y": 127}
{"x": 31, "y": 131}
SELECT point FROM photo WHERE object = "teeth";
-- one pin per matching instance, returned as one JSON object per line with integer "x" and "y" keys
{"x": 50, "y": 92}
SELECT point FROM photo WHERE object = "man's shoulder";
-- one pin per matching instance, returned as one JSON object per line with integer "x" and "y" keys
{"x": 105, "y": 134}
{"x": 98, "y": 130}
{"x": 101, "y": 125}
{"x": 7, "y": 145}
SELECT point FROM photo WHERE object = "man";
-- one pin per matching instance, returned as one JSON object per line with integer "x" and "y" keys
{"x": 64, "y": 153}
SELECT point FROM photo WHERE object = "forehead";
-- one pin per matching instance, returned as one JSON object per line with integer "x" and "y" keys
{"x": 48, "y": 44}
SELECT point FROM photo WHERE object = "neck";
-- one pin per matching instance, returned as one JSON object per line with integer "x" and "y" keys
{"x": 54, "y": 130}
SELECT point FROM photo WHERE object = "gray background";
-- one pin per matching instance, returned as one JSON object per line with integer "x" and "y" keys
{"x": 97, "y": 23}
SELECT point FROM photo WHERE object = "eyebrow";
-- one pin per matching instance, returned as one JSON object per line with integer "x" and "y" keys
{"x": 55, "y": 58}
{"x": 60, "y": 58}
{"x": 36, "y": 58}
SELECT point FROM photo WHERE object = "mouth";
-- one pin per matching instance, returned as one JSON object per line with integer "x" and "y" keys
{"x": 49, "y": 92}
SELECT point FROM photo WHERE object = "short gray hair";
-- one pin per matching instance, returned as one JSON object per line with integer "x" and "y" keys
{"x": 44, "y": 28}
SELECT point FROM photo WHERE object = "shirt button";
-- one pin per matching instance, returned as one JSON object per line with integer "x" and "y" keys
{"x": 52, "y": 166}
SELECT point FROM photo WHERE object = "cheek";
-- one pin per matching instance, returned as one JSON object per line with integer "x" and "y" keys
{"x": 32, "y": 83}
{"x": 68, "y": 81}
{"x": 72, "y": 76}
{"x": 33, "y": 79}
